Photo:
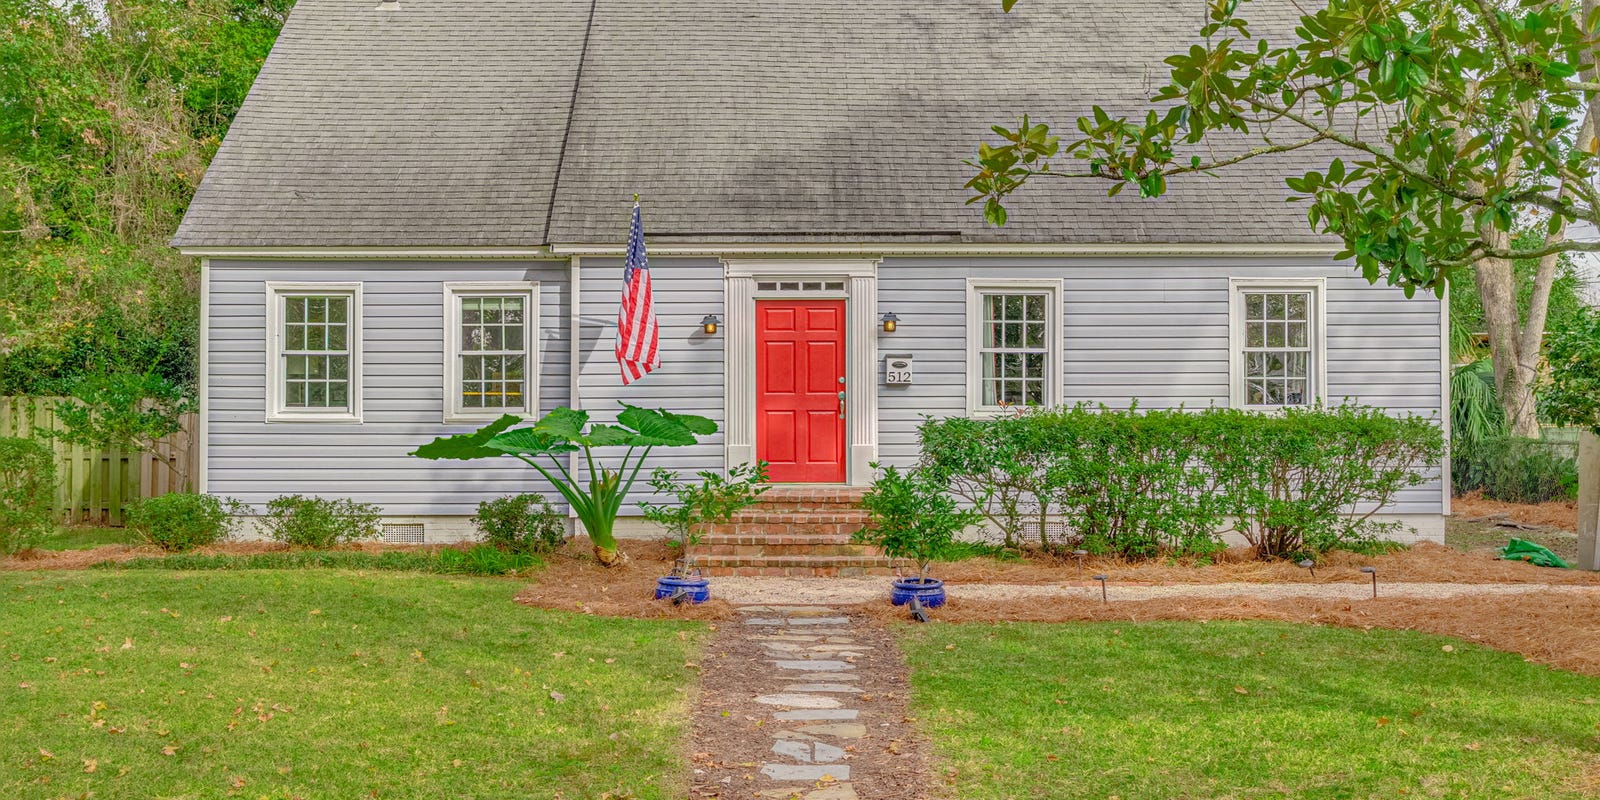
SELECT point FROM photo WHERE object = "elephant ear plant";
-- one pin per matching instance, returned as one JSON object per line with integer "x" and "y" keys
{"x": 562, "y": 431}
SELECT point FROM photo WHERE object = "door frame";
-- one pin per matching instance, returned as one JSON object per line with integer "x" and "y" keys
{"x": 860, "y": 277}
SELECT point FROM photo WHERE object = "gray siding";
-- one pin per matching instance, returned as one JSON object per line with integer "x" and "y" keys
{"x": 690, "y": 379}
{"x": 402, "y": 367}
{"x": 1156, "y": 331}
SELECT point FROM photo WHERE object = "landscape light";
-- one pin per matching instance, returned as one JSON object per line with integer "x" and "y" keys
{"x": 1373, "y": 571}
{"x": 1102, "y": 580}
{"x": 1310, "y": 565}
{"x": 1080, "y": 554}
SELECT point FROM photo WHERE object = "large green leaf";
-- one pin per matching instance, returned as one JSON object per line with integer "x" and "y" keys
{"x": 700, "y": 426}
{"x": 530, "y": 442}
{"x": 607, "y": 435}
{"x": 468, "y": 446}
{"x": 563, "y": 423}
{"x": 659, "y": 428}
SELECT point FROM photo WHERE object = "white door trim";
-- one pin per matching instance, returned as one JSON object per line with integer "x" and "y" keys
{"x": 861, "y": 353}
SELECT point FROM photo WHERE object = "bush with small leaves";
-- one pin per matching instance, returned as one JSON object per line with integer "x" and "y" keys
{"x": 521, "y": 523}
{"x": 27, "y": 493}
{"x": 319, "y": 523}
{"x": 178, "y": 522}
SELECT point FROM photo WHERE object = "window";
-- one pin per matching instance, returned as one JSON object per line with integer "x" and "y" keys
{"x": 315, "y": 352}
{"x": 1278, "y": 343}
{"x": 1013, "y": 344}
{"x": 490, "y": 337}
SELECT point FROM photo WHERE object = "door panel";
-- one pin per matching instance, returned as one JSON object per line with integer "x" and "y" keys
{"x": 799, "y": 374}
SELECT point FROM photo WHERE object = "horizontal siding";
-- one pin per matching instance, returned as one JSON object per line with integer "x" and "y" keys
{"x": 402, "y": 320}
{"x": 690, "y": 379}
{"x": 1153, "y": 331}
{"x": 1150, "y": 330}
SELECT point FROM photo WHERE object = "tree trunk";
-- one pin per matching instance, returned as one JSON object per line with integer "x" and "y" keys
{"x": 1515, "y": 373}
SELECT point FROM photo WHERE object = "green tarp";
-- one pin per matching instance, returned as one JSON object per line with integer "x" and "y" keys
{"x": 1523, "y": 550}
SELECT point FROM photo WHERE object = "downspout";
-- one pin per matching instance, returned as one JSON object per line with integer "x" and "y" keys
{"x": 574, "y": 364}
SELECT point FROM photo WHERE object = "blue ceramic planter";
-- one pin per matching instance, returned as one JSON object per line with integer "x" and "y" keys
{"x": 696, "y": 590}
{"x": 929, "y": 590}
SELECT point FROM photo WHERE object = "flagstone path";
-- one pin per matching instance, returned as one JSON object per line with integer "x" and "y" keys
{"x": 803, "y": 703}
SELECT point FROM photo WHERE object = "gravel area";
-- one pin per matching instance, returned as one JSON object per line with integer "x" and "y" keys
{"x": 804, "y": 591}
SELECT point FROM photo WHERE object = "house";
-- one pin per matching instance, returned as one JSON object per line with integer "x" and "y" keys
{"x": 418, "y": 219}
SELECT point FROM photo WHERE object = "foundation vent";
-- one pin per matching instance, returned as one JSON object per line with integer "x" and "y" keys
{"x": 402, "y": 533}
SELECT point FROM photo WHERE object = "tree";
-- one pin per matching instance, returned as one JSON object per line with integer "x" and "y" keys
{"x": 1464, "y": 132}
{"x": 135, "y": 412}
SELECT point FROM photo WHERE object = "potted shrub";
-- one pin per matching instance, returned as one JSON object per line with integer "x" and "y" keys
{"x": 716, "y": 498}
{"x": 911, "y": 516}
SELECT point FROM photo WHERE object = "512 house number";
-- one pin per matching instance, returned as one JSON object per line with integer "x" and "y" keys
{"x": 897, "y": 369}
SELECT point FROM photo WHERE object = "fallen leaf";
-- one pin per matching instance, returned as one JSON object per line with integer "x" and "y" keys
{"x": 1449, "y": 648}
{"x": 169, "y": 750}
{"x": 90, "y": 765}
{"x": 1241, "y": 690}
{"x": 46, "y": 754}
{"x": 127, "y": 644}
{"x": 558, "y": 697}
{"x": 236, "y": 782}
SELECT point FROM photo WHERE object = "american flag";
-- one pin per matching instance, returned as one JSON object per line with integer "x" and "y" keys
{"x": 638, "y": 335}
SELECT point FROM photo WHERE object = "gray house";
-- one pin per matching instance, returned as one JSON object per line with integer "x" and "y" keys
{"x": 418, "y": 219}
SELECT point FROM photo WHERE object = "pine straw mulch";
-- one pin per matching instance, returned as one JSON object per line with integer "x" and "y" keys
{"x": 1559, "y": 514}
{"x": 1422, "y": 563}
{"x": 1558, "y": 629}
{"x": 83, "y": 559}
{"x": 573, "y": 580}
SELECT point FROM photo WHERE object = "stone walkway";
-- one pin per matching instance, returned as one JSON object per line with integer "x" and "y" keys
{"x": 818, "y": 713}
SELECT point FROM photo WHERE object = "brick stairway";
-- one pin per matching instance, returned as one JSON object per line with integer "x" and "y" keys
{"x": 793, "y": 532}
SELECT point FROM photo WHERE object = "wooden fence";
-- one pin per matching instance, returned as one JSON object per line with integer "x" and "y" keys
{"x": 94, "y": 485}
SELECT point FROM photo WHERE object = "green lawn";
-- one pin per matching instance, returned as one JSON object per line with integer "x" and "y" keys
{"x": 1245, "y": 710}
{"x": 330, "y": 684}
{"x": 86, "y": 538}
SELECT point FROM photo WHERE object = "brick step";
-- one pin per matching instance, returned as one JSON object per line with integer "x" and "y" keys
{"x": 704, "y": 549}
{"x": 809, "y": 500}
{"x": 783, "y": 529}
{"x": 796, "y": 566}
{"x": 796, "y": 537}
{"x": 760, "y": 515}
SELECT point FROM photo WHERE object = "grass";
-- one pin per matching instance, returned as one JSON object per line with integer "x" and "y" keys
{"x": 322, "y": 684}
{"x": 87, "y": 538}
{"x": 479, "y": 560}
{"x": 1246, "y": 710}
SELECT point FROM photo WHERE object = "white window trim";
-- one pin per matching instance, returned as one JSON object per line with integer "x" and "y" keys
{"x": 453, "y": 292}
{"x": 1237, "y": 287}
{"x": 276, "y": 292}
{"x": 1054, "y": 337}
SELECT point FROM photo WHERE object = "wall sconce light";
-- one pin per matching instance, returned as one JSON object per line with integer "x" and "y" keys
{"x": 890, "y": 322}
{"x": 709, "y": 324}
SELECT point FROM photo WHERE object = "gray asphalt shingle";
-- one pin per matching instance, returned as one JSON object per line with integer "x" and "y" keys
{"x": 443, "y": 123}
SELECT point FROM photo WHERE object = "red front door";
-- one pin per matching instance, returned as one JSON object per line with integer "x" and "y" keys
{"x": 799, "y": 377}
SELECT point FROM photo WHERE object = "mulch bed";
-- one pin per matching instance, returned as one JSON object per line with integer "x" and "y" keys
{"x": 1559, "y": 514}
{"x": 732, "y": 734}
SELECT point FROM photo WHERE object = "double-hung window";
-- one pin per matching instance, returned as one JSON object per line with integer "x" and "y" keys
{"x": 314, "y": 352}
{"x": 491, "y": 333}
{"x": 1013, "y": 344}
{"x": 1278, "y": 341}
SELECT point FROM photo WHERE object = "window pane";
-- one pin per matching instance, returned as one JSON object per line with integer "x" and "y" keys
{"x": 1012, "y": 365}
{"x": 336, "y": 309}
{"x": 1013, "y": 334}
{"x": 317, "y": 394}
{"x": 513, "y": 394}
{"x": 316, "y": 337}
{"x": 472, "y": 395}
{"x": 472, "y": 338}
{"x": 996, "y": 307}
{"x": 1254, "y": 394}
{"x": 1255, "y": 306}
{"x": 1298, "y": 303}
{"x": 513, "y": 306}
{"x": 513, "y": 368}
{"x": 1255, "y": 365}
{"x": 1033, "y": 393}
{"x": 1035, "y": 335}
{"x": 1274, "y": 393}
{"x": 316, "y": 309}
{"x": 1033, "y": 364}
{"x": 471, "y": 313}
{"x": 991, "y": 366}
{"x": 336, "y": 337}
{"x": 491, "y": 311}
{"x": 992, "y": 334}
{"x": 1255, "y": 334}
{"x": 294, "y": 309}
{"x": 318, "y": 366}
{"x": 1014, "y": 306}
{"x": 991, "y": 392}
{"x": 1275, "y": 308}
{"x": 1297, "y": 334}
{"x": 339, "y": 394}
{"x": 296, "y": 339}
{"x": 1035, "y": 307}
{"x": 339, "y": 367}
{"x": 514, "y": 337}
{"x": 294, "y": 367}
{"x": 494, "y": 338}
{"x": 1275, "y": 365}
{"x": 295, "y": 395}
{"x": 1275, "y": 334}
{"x": 1296, "y": 365}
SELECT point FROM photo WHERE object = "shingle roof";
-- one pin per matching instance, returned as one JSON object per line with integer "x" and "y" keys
{"x": 446, "y": 122}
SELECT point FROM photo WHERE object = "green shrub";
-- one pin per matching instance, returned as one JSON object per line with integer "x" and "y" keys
{"x": 1141, "y": 483}
{"x": 911, "y": 516}
{"x": 716, "y": 498}
{"x": 178, "y": 522}
{"x": 1517, "y": 470}
{"x": 320, "y": 523}
{"x": 521, "y": 523}
{"x": 1572, "y": 396}
{"x": 27, "y": 493}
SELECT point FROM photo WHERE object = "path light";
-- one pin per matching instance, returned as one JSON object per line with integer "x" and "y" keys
{"x": 890, "y": 321}
{"x": 709, "y": 324}
{"x": 1308, "y": 564}
{"x": 916, "y": 609}
{"x": 1373, "y": 571}
{"x": 1102, "y": 580}
{"x": 1080, "y": 554}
